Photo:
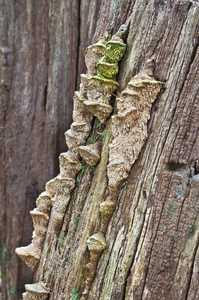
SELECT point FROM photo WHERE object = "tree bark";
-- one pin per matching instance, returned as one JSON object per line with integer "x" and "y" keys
{"x": 153, "y": 235}
{"x": 40, "y": 58}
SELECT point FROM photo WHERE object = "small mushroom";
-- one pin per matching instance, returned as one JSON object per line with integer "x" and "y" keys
{"x": 106, "y": 209}
{"x": 73, "y": 140}
{"x": 36, "y": 291}
{"x": 85, "y": 81}
{"x": 64, "y": 184}
{"x": 43, "y": 202}
{"x": 39, "y": 218}
{"x": 69, "y": 164}
{"x": 117, "y": 172}
{"x": 30, "y": 255}
{"x": 93, "y": 54}
{"x": 100, "y": 110}
{"x": 96, "y": 245}
{"x": 81, "y": 128}
{"x": 90, "y": 154}
{"x": 51, "y": 187}
{"x": 105, "y": 85}
{"x": 80, "y": 113}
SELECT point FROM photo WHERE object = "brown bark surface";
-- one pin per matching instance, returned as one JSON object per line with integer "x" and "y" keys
{"x": 153, "y": 235}
{"x": 40, "y": 54}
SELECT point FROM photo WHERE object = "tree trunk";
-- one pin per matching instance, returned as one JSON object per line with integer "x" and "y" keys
{"x": 40, "y": 56}
{"x": 153, "y": 235}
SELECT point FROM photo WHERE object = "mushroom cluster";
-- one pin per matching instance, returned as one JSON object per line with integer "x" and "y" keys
{"x": 93, "y": 100}
{"x": 129, "y": 131}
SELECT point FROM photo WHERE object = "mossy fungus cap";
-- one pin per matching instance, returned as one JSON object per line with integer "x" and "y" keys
{"x": 107, "y": 69}
{"x": 115, "y": 49}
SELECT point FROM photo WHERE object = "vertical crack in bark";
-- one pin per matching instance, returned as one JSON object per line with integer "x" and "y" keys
{"x": 191, "y": 273}
{"x": 45, "y": 94}
{"x": 150, "y": 253}
{"x": 78, "y": 44}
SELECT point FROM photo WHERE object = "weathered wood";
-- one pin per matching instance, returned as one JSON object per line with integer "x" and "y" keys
{"x": 39, "y": 58}
{"x": 152, "y": 237}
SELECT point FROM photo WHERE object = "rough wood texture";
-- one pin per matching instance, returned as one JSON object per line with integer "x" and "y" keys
{"x": 41, "y": 50}
{"x": 152, "y": 237}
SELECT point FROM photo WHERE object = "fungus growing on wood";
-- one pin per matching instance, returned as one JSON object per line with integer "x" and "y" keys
{"x": 73, "y": 141}
{"x": 96, "y": 245}
{"x": 69, "y": 164}
{"x": 93, "y": 54}
{"x": 50, "y": 187}
{"x": 106, "y": 69}
{"x": 92, "y": 100}
{"x": 80, "y": 114}
{"x": 106, "y": 209}
{"x": 129, "y": 127}
{"x": 64, "y": 184}
{"x": 115, "y": 49}
{"x": 43, "y": 202}
{"x": 30, "y": 255}
{"x": 39, "y": 218}
{"x": 100, "y": 110}
{"x": 90, "y": 154}
{"x": 35, "y": 291}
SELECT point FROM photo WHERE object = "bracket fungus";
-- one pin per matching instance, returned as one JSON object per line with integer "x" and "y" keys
{"x": 106, "y": 69}
{"x": 100, "y": 110}
{"x": 96, "y": 245}
{"x": 43, "y": 202}
{"x": 129, "y": 127}
{"x": 115, "y": 49}
{"x": 30, "y": 255}
{"x": 35, "y": 291}
{"x": 106, "y": 210}
{"x": 69, "y": 164}
{"x": 93, "y": 54}
{"x": 90, "y": 153}
{"x": 93, "y": 99}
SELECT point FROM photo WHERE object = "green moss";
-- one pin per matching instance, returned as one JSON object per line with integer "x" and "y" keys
{"x": 77, "y": 219}
{"x": 114, "y": 51}
{"x": 103, "y": 134}
{"x": 97, "y": 124}
{"x": 12, "y": 292}
{"x": 91, "y": 140}
{"x": 78, "y": 180}
{"x": 4, "y": 255}
{"x": 75, "y": 294}
{"x": 62, "y": 239}
{"x": 171, "y": 209}
{"x": 176, "y": 236}
{"x": 105, "y": 81}
{"x": 84, "y": 165}
{"x": 180, "y": 191}
{"x": 108, "y": 70}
